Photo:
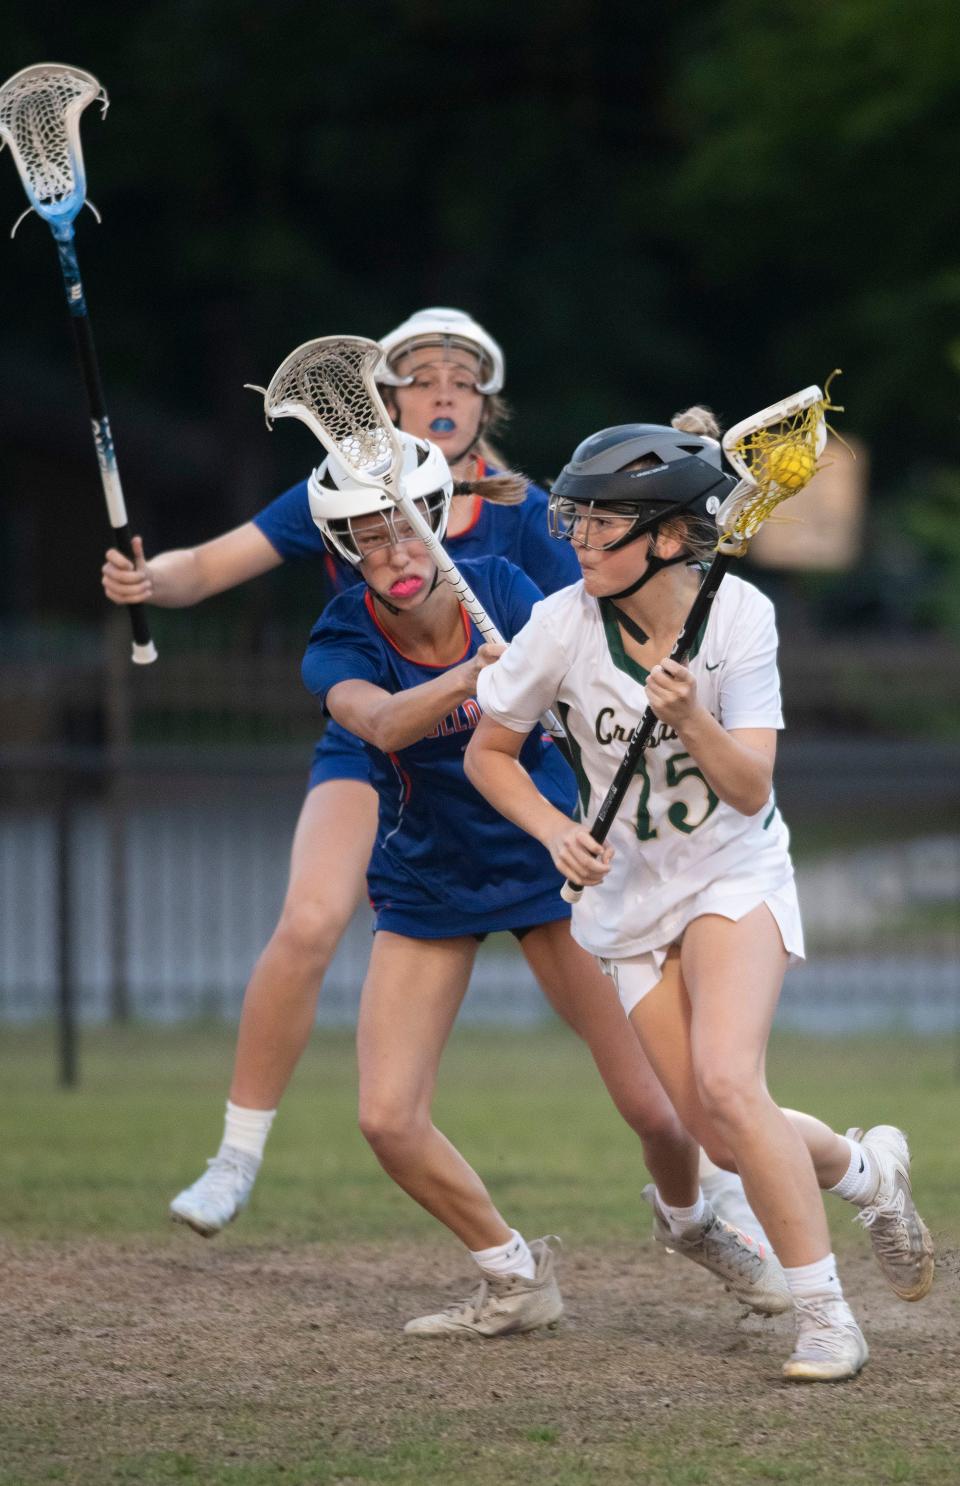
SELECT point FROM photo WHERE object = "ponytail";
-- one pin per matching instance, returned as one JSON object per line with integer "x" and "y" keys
{"x": 698, "y": 420}
{"x": 506, "y": 489}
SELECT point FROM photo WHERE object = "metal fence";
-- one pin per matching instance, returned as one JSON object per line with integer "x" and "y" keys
{"x": 145, "y": 884}
{"x": 146, "y": 817}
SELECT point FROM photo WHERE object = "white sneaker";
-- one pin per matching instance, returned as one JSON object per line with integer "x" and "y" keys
{"x": 724, "y": 1192}
{"x": 501, "y": 1304}
{"x": 901, "y": 1241}
{"x": 830, "y": 1345}
{"x": 750, "y": 1271}
{"x": 219, "y": 1195}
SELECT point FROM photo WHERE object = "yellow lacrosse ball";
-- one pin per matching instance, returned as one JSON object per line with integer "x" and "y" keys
{"x": 791, "y": 465}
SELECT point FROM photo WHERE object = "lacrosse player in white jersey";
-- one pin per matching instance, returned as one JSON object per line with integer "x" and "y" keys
{"x": 690, "y": 905}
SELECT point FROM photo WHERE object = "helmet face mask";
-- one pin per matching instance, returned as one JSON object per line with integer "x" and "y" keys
{"x": 355, "y": 538}
{"x": 594, "y": 526}
{"x": 426, "y": 355}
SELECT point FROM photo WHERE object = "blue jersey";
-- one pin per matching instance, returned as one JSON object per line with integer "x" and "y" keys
{"x": 443, "y": 857}
{"x": 518, "y": 533}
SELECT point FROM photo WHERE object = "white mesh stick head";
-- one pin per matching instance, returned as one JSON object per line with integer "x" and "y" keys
{"x": 40, "y": 110}
{"x": 329, "y": 385}
{"x": 775, "y": 453}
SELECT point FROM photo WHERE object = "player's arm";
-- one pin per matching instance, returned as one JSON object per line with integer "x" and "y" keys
{"x": 185, "y": 576}
{"x": 512, "y": 694}
{"x": 392, "y": 720}
{"x": 737, "y": 764}
{"x": 492, "y": 764}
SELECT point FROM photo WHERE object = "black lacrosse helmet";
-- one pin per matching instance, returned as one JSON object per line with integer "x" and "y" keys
{"x": 684, "y": 475}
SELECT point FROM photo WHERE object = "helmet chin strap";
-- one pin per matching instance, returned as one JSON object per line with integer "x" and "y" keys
{"x": 654, "y": 566}
{"x": 379, "y": 598}
{"x": 456, "y": 458}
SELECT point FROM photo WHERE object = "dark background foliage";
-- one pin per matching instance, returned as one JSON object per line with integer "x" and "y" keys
{"x": 648, "y": 204}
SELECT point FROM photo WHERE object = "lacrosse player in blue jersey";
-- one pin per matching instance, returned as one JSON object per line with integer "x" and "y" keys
{"x": 443, "y": 375}
{"x": 395, "y": 662}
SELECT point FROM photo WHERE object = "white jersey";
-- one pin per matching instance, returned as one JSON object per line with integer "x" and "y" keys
{"x": 673, "y": 838}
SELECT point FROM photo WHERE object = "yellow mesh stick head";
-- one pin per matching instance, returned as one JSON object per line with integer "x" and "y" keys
{"x": 776, "y": 453}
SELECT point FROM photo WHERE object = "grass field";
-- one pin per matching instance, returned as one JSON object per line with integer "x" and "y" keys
{"x": 135, "y": 1352}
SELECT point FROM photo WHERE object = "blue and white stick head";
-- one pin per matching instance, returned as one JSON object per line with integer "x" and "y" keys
{"x": 40, "y": 110}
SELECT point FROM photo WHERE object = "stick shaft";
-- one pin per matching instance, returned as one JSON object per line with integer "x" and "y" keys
{"x": 144, "y": 650}
{"x": 467, "y": 597}
{"x": 620, "y": 783}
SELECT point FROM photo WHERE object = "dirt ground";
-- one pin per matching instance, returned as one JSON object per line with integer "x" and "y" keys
{"x": 234, "y": 1354}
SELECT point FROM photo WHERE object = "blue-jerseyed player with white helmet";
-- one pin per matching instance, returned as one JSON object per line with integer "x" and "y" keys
{"x": 443, "y": 375}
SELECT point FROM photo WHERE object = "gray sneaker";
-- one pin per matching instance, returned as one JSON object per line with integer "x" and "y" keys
{"x": 901, "y": 1241}
{"x": 219, "y": 1195}
{"x": 501, "y": 1304}
{"x": 830, "y": 1345}
{"x": 749, "y": 1270}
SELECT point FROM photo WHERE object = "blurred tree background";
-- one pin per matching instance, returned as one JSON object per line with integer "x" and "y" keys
{"x": 648, "y": 204}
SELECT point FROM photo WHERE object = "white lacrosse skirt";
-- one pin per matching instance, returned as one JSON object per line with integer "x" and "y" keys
{"x": 636, "y": 975}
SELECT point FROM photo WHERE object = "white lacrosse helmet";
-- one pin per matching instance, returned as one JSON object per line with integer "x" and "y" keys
{"x": 337, "y": 498}
{"x": 447, "y": 328}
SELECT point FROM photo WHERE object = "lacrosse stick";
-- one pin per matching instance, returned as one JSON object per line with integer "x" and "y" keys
{"x": 775, "y": 453}
{"x": 40, "y": 110}
{"x": 329, "y": 385}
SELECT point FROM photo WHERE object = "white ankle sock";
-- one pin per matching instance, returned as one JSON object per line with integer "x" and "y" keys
{"x": 247, "y": 1129}
{"x": 859, "y": 1182}
{"x": 818, "y": 1280}
{"x": 679, "y": 1218}
{"x": 512, "y": 1257}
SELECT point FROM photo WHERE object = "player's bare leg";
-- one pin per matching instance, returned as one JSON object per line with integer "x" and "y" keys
{"x": 706, "y": 1035}
{"x": 724, "y": 1191}
{"x": 587, "y": 1000}
{"x": 411, "y": 997}
{"x": 331, "y": 849}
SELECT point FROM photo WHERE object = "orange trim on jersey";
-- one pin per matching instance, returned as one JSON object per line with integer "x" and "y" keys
{"x": 476, "y": 511}
{"x": 428, "y": 665}
{"x": 405, "y": 779}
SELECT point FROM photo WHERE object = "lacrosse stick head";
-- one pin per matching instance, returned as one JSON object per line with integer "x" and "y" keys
{"x": 329, "y": 385}
{"x": 40, "y": 109}
{"x": 775, "y": 453}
